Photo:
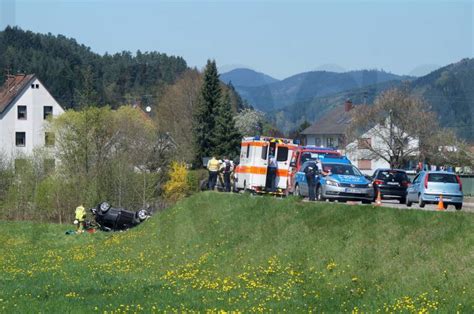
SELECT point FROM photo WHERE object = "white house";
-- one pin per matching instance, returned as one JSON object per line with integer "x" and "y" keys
{"x": 25, "y": 105}
{"x": 360, "y": 152}
{"x": 330, "y": 131}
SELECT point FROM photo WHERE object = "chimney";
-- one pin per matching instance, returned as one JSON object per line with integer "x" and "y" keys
{"x": 348, "y": 105}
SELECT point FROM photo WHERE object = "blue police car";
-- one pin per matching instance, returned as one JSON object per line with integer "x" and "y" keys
{"x": 338, "y": 180}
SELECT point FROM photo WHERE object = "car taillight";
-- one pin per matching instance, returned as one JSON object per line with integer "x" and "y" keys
{"x": 460, "y": 183}
{"x": 378, "y": 182}
{"x": 405, "y": 184}
{"x": 426, "y": 181}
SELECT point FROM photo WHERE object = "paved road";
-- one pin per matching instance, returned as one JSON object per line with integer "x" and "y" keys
{"x": 468, "y": 206}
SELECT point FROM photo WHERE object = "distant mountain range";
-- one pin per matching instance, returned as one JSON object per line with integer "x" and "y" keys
{"x": 247, "y": 78}
{"x": 449, "y": 90}
{"x": 302, "y": 87}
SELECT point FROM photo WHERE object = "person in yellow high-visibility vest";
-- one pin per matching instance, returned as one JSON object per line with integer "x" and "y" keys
{"x": 80, "y": 218}
{"x": 213, "y": 166}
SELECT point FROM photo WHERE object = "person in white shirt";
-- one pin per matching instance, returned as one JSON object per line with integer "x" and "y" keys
{"x": 272, "y": 172}
{"x": 226, "y": 169}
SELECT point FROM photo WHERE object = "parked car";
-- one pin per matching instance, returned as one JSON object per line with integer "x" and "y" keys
{"x": 338, "y": 180}
{"x": 391, "y": 183}
{"x": 428, "y": 186}
{"x": 111, "y": 218}
{"x": 343, "y": 182}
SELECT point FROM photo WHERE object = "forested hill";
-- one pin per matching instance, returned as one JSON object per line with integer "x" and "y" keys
{"x": 246, "y": 78}
{"x": 77, "y": 77}
{"x": 306, "y": 86}
{"x": 449, "y": 90}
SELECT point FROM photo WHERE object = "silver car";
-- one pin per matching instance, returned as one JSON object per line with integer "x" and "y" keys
{"x": 429, "y": 186}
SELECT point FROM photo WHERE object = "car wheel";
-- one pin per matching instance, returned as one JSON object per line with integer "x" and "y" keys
{"x": 319, "y": 194}
{"x": 408, "y": 203}
{"x": 142, "y": 214}
{"x": 403, "y": 200}
{"x": 421, "y": 203}
{"x": 366, "y": 202}
{"x": 104, "y": 207}
{"x": 445, "y": 206}
{"x": 458, "y": 206}
{"x": 297, "y": 191}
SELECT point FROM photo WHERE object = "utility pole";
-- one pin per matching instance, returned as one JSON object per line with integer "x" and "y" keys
{"x": 392, "y": 151}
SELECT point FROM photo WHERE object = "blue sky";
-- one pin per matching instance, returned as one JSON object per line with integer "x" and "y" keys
{"x": 279, "y": 38}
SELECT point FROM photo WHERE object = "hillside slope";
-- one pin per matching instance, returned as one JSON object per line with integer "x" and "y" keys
{"x": 449, "y": 91}
{"x": 235, "y": 252}
{"x": 76, "y": 76}
{"x": 307, "y": 86}
{"x": 246, "y": 78}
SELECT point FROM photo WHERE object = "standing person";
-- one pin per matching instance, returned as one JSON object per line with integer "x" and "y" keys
{"x": 226, "y": 168}
{"x": 320, "y": 169}
{"x": 272, "y": 172}
{"x": 213, "y": 167}
{"x": 310, "y": 173}
{"x": 80, "y": 214}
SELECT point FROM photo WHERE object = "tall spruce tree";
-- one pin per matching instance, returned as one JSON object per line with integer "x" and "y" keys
{"x": 226, "y": 138}
{"x": 204, "y": 118}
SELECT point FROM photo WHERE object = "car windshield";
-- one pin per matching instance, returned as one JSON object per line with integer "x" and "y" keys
{"x": 442, "y": 177}
{"x": 396, "y": 175}
{"x": 306, "y": 156}
{"x": 341, "y": 169}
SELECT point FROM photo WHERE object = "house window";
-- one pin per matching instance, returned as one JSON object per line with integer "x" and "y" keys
{"x": 364, "y": 143}
{"x": 21, "y": 112}
{"x": 49, "y": 138}
{"x": 330, "y": 142}
{"x": 33, "y": 86}
{"x": 317, "y": 141}
{"x": 37, "y": 86}
{"x": 20, "y": 139}
{"x": 47, "y": 111}
{"x": 364, "y": 164}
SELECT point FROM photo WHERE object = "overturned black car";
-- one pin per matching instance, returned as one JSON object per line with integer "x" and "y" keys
{"x": 109, "y": 218}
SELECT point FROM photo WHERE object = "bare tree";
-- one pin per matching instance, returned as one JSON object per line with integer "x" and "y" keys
{"x": 174, "y": 114}
{"x": 401, "y": 126}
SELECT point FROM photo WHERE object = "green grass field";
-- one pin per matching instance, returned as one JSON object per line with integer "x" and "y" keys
{"x": 220, "y": 252}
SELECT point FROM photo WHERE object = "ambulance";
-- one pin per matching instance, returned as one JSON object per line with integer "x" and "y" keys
{"x": 252, "y": 172}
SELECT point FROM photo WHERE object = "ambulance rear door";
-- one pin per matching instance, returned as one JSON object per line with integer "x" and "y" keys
{"x": 283, "y": 156}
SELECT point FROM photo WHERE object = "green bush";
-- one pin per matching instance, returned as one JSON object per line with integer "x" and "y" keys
{"x": 195, "y": 178}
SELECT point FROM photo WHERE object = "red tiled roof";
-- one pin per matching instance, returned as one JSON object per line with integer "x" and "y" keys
{"x": 12, "y": 87}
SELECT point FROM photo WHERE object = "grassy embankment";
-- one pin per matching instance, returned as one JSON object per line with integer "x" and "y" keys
{"x": 232, "y": 252}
